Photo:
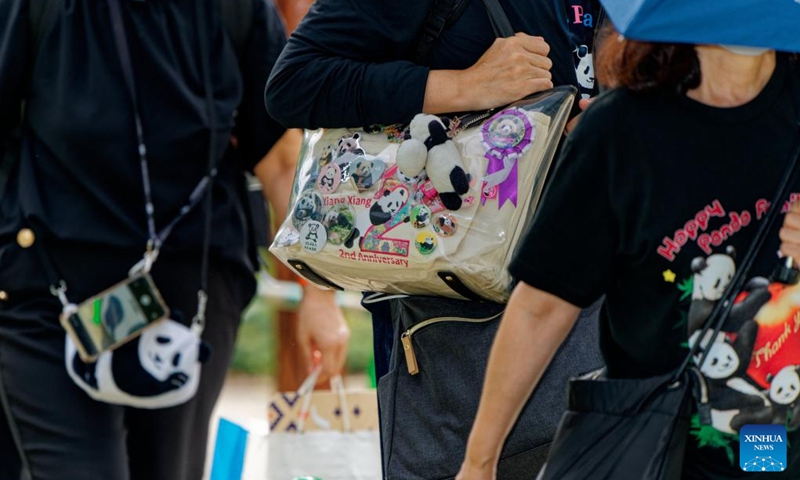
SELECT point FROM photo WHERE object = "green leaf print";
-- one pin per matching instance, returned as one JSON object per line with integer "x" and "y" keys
{"x": 686, "y": 287}
{"x": 708, "y": 436}
{"x": 683, "y": 322}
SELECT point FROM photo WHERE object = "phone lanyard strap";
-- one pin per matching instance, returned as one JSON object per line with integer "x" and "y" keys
{"x": 157, "y": 238}
{"x": 203, "y": 25}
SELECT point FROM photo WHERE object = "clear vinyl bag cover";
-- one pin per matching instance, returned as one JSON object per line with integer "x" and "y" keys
{"x": 416, "y": 209}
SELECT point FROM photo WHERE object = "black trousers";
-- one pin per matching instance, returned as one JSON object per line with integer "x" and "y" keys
{"x": 52, "y": 430}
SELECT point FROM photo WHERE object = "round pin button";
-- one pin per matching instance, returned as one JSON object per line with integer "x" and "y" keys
{"x": 329, "y": 178}
{"x": 339, "y": 222}
{"x": 26, "y": 238}
{"x": 426, "y": 243}
{"x": 421, "y": 216}
{"x": 308, "y": 207}
{"x": 313, "y": 236}
{"x": 445, "y": 225}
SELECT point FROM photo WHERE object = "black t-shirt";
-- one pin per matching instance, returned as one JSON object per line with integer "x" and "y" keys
{"x": 655, "y": 200}
{"x": 79, "y": 177}
{"x": 348, "y": 62}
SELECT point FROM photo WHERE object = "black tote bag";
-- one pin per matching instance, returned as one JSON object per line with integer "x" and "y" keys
{"x": 632, "y": 429}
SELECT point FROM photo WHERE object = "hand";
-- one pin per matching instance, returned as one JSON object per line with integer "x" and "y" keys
{"x": 790, "y": 233}
{"x": 323, "y": 331}
{"x": 471, "y": 471}
{"x": 583, "y": 104}
{"x": 511, "y": 69}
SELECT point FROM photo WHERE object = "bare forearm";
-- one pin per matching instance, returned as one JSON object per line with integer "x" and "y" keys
{"x": 445, "y": 92}
{"x": 511, "y": 69}
{"x": 529, "y": 335}
{"x": 276, "y": 171}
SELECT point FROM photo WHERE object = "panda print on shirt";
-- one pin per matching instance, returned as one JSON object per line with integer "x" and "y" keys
{"x": 584, "y": 70}
{"x": 752, "y": 371}
{"x": 583, "y": 17}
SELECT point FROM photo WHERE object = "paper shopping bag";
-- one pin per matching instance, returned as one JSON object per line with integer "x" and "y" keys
{"x": 330, "y": 435}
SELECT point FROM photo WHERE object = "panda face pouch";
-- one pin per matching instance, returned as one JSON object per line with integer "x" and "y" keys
{"x": 125, "y": 347}
{"x": 159, "y": 368}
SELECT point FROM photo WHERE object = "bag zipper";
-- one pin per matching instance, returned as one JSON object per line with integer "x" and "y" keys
{"x": 469, "y": 120}
{"x": 406, "y": 337}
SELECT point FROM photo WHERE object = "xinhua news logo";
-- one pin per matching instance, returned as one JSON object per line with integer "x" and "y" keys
{"x": 762, "y": 448}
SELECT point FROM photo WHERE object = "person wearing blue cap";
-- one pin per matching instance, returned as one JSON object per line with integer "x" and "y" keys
{"x": 672, "y": 172}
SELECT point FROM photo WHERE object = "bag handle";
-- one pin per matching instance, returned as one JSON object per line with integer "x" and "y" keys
{"x": 306, "y": 390}
{"x": 445, "y": 12}
{"x": 497, "y": 16}
{"x": 724, "y": 305}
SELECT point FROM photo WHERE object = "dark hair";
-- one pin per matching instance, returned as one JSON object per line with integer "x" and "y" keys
{"x": 646, "y": 66}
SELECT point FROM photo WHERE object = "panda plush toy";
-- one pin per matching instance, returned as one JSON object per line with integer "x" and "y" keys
{"x": 158, "y": 369}
{"x": 431, "y": 150}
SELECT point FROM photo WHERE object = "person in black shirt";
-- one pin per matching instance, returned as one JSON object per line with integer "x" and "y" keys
{"x": 658, "y": 193}
{"x": 349, "y": 64}
{"x": 76, "y": 194}
{"x": 327, "y": 76}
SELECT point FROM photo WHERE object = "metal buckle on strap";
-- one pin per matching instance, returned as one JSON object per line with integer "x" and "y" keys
{"x": 60, "y": 291}
{"x": 146, "y": 263}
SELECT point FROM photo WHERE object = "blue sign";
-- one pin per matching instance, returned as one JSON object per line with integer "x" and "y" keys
{"x": 762, "y": 448}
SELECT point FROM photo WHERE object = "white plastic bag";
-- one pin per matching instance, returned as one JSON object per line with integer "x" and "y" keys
{"x": 329, "y": 435}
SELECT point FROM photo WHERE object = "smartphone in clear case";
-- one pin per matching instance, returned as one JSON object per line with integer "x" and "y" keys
{"x": 114, "y": 316}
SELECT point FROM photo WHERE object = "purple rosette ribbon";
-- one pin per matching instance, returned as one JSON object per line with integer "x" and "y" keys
{"x": 506, "y": 137}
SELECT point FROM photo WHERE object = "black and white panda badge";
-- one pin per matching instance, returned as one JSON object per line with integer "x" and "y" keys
{"x": 313, "y": 236}
{"x": 307, "y": 208}
{"x": 158, "y": 369}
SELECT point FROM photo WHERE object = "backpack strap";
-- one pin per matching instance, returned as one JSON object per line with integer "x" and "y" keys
{"x": 237, "y": 18}
{"x": 442, "y": 14}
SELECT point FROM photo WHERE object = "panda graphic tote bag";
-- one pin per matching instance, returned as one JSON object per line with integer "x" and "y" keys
{"x": 434, "y": 207}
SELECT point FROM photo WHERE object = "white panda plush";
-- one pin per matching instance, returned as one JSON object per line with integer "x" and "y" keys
{"x": 158, "y": 369}
{"x": 430, "y": 148}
